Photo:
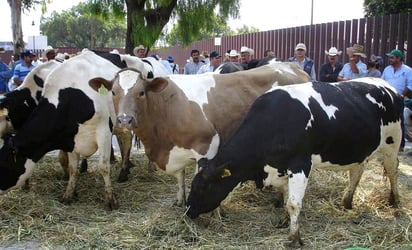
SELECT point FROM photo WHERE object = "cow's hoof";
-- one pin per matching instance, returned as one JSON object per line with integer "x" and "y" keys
{"x": 278, "y": 199}
{"x": 130, "y": 164}
{"x": 123, "y": 175}
{"x": 67, "y": 200}
{"x": 26, "y": 186}
{"x": 113, "y": 160}
{"x": 179, "y": 203}
{"x": 295, "y": 241}
{"x": 393, "y": 201}
{"x": 111, "y": 204}
{"x": 151, "y": 168}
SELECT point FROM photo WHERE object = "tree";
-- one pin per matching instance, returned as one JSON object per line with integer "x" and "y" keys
{"x": 146, "y": 19}
{"x": 246, "y": 29}
{"x": 16, "y": 8}
{"x": 77, "y": 27}
{"x": 380, "y": 8}
{"x": 220, "y": 28}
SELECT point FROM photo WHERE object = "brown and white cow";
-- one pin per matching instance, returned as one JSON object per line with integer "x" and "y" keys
{"x": 182, "y": 118}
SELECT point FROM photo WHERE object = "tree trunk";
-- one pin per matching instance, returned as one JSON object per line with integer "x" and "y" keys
{"x": 15, "y": 7}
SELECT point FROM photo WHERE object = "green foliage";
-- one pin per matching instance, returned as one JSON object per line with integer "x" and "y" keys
{"x": 246, "y": 29}
{"x": 79, "y": 27}
{"x": 219, "y": 28}
{"x": 380, "y": 8}
{"x": 147, "y": 19}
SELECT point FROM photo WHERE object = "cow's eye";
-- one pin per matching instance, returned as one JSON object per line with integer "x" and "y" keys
{"x": 113, "y": 93}
{"x": 141, "y": 93}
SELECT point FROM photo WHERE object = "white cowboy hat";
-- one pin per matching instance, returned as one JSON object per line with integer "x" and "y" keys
{"x": 233, "y": 53}
{"x": 138, "y": 48}
{"x": 47, "y": 50}
{"x": 246, "y": 49}
{"x": 333, "y": 51}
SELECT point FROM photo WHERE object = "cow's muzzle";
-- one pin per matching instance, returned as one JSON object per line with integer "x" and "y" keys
{"x": 125, "y": 121}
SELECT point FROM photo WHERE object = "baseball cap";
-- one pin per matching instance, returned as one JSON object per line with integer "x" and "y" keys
{"x": 300, "y": 46}
{"x": 396, "y": 53}
{"x": 26, "y": 53}
{"x": 214, "y": 54}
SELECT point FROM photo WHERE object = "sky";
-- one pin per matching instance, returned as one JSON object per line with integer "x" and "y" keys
{"x": 262, "y": 14}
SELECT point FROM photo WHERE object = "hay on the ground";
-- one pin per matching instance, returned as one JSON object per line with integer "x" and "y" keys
{"x": 147, "y": 218}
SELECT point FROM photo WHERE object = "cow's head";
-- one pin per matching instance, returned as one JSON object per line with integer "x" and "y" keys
{"x": 209, "y": 187}
{"x": 15, "y": 169}
{"x": 129, "y": 91}
{"x": 15, "y": 107}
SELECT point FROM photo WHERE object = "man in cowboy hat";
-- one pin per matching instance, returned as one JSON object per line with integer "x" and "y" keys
{"x": 139, "y": 51}
{"x": 355, "y": 68}
{"x": 245, "y": 58}
{"x": 330, "y": 70}
{"x": 233, "y": 56}
{"x": 399, "y": 75}
{"x": 49, "y": 53}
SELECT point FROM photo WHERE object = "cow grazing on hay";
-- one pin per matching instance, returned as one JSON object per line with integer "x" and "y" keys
{"x": 297, "y": 128}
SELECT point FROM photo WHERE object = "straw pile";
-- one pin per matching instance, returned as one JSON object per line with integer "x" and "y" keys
{"x": 147, "y": 219}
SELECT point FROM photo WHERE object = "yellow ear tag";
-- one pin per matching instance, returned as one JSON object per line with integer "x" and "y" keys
{"x": 103, "y": 90}
{"x": 226, "y": 173}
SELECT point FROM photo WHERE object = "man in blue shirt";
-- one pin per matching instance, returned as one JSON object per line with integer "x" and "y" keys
{"x": 193, "y": 66}
{"x": 355, "y": 68}
{"x": 5, "y": 74}
{"x": 399, "y": 76}
{"x": 22, "y": 70}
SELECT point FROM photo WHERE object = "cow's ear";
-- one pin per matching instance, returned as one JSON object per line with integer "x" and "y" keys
{"x": 98, "y": 82}
{"x": 156, "y": 85}
{"x": 4, "y": 112}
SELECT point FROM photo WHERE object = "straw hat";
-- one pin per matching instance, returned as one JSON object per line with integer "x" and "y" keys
{"x": 357, "y": 50}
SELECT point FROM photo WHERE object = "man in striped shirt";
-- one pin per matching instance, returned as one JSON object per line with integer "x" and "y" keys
{"x": 22, "y": 70}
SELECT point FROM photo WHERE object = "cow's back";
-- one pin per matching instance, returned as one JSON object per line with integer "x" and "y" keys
{"x": 234, "y": 93}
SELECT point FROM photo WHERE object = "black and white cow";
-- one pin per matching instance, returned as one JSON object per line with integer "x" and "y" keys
{"x": 299, "y": 127}
{"x": 72, "y": 116}
{"x": 16, "y": 106}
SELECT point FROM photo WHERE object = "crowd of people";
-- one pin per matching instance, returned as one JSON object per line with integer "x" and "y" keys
{"x": 20, "y": 65}
{"x": 397, "y": 73}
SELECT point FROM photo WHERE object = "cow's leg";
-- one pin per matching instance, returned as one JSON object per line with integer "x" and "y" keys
{"x": 64, "y": 163}
{"x": 181, "y": 193}
{"x": 355, "y": 174}
{"x": 68, "y": 196}
{"x": 124, "y": 138}
{"x": 297, "y": 187}
{"x": 278, "y": 181}
{"x": 112, "y": 157}
{"x": 83, "y": 166}
{"x": 104, "y": 146}
{"x": 390, "y": 164}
